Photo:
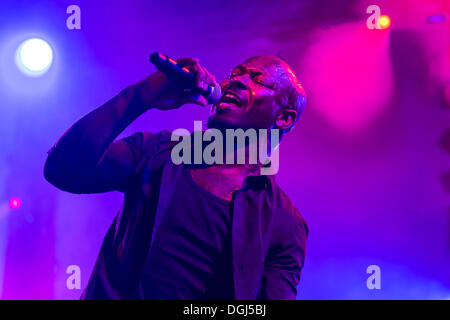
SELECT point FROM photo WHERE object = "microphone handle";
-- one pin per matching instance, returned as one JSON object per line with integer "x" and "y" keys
{"x": 173, "y": 70}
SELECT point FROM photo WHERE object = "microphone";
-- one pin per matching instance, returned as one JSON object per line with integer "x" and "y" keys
{"x": 184, "y": 76}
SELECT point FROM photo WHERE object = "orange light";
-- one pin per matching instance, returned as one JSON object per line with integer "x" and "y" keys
{"x": 384, "y": 21}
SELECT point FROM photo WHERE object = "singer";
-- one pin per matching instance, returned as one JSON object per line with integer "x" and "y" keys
{"x": 216, "y": 231}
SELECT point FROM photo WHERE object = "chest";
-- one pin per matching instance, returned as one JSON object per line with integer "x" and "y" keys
{"x": 222, "y": 184}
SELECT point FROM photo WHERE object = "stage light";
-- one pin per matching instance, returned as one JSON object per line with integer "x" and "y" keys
{"x": 384, "y": 21}
{"x": 436, "y": 18}
{"x": 15, "y": 203}
{"x": 34, "y": 57}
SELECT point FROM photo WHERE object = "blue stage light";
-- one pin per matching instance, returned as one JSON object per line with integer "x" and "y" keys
{"x": 34, "y": 57}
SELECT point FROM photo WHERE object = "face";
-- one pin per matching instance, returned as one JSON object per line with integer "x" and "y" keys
{"x": 251, "y": 95}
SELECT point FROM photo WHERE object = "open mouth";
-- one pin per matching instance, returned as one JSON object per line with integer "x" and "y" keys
{"x": 230, "y": 98}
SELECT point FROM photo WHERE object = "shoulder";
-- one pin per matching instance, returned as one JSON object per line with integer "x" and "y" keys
{"x": 286, "y": 215}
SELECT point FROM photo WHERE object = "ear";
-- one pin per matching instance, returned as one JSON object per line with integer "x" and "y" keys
{"x": 285, "y": 119}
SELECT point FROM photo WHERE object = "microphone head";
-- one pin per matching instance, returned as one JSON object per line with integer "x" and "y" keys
{"x": 214, "y": 94}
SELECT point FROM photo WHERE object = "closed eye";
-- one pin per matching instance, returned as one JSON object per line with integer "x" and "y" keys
{"x": 261, "y": 81}
{"x": 235, "y": 74}
{"x": 257, "y": 76}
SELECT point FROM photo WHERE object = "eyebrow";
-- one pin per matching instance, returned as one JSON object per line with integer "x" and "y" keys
{"x": 248, "y": 70}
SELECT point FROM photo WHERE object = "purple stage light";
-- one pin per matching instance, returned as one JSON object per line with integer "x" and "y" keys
{"x": 435, "y": 18}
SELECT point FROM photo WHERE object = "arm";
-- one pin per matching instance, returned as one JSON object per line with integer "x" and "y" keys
{"x": 284, "y": 262}
{"x": 85, "y": 159}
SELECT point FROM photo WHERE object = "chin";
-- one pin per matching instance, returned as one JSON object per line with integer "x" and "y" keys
{"x": 221, "y": 123}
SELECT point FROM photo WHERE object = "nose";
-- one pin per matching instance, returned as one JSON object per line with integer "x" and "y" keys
{"x": 238, "y": 82}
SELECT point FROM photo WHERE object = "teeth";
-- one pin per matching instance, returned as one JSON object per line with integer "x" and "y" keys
{"x": 232, "y": 97}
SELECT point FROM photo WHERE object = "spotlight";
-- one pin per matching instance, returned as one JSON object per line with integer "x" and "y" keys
{"x": 34, "y": 57}
{"x": 384, "y": 21}
{"x": 15, "y": 203}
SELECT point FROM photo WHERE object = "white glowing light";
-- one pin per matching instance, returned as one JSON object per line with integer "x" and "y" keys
{"x": 34, "y": 57}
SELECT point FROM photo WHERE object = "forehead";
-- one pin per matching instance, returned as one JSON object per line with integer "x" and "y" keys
{"x": 270, "y": 66}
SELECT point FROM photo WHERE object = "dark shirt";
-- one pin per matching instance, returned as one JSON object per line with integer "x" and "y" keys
{"x": 268, "y": 234}
{"x": 191, "y": 253}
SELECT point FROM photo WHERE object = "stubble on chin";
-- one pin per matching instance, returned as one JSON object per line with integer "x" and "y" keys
{"x": 220, "y": 124}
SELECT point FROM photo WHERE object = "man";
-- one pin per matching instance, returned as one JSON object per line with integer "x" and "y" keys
{"x": 189, "y": 231}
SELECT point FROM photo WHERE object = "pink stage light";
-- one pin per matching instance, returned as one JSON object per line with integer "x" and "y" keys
{"x": 15, "y": 203}
{"x": 348, "y": 75}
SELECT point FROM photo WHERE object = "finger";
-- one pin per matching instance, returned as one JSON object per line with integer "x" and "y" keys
{"x": 199, "y": 76}
{"x": 194, "y": 66}
{"x": 187, "y": 61}
{"x": 209, "y": 78}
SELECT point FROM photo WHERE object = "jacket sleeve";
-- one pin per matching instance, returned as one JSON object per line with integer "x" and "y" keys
{"x": 87, "y": 160}
{"x": 113, "y": 172}
{"x": 284, "y": 262}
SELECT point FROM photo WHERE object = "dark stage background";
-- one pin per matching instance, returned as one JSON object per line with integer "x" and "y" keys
{"x": 367, "y": 165}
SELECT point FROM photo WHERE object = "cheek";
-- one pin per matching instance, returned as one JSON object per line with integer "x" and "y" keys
{"x": 263, "y": 101}
{"x": 261, "y": 111}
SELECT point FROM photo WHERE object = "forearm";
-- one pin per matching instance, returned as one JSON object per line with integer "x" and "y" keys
{"x": 81, "y": 148}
